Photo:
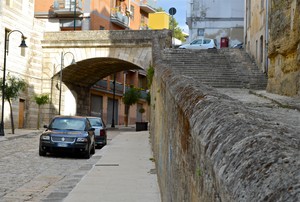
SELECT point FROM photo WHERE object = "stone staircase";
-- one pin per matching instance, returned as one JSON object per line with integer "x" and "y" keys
{"x": 219, "y": 68}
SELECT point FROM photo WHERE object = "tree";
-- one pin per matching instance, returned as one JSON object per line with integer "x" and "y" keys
{"x": 142, "y": 110}
{"x": 13, "y": 86}
{"x": 40, "y": 100}
{"x": 177, "y": 30}
{"x": 131, "y": 96}
{"x": 178, "y": 34}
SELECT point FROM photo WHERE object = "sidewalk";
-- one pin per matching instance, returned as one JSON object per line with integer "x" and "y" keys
{"x": 125, "y": 172}
{"x": 19, "y": 133}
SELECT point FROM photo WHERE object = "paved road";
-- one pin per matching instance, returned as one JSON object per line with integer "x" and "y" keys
{"x": 25, "y": 176}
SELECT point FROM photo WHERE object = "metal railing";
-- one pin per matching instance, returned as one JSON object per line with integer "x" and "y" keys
{"x": 67, "y": 5}
{"x": 118, "y": 16}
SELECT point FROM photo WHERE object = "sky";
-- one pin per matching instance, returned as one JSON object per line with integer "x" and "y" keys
{"x": 180, "y": 6}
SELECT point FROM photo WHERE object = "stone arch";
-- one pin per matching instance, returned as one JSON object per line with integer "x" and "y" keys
{"x": 97, "y": 54}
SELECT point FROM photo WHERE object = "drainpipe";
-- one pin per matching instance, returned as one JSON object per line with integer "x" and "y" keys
{"x": 75, "y": 15}
{"x": 267, "y": 35}
{"x": 129, "y": 9}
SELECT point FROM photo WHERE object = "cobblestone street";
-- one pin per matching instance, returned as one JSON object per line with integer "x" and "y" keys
{"x": 25, "y": 176}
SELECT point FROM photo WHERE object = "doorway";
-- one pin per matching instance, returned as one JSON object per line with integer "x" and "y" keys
{"x": 110, "y": 110}
{"x": 21, "y": 113}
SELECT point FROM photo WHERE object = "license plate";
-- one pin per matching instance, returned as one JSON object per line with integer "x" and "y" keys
{"x": 62, "y": 144}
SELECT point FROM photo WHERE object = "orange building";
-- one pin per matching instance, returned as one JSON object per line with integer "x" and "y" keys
{"x": 67, "y": 15}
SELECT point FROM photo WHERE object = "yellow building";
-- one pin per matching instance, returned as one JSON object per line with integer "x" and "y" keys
{"x": 159, "y": 20}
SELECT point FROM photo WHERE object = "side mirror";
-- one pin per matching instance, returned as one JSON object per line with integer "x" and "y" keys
{"x": 45, "y": 126}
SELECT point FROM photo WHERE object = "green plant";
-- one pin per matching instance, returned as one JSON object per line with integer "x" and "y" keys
{"x": 13, "y": 86}
{"x": 152, "y": 159}
{"x": 40, "y": 100}
{"x": 150, "y": 74}
{"x": 198, "y": 172}
{"x": 142, "y": 110}
{"x": 131, "y": 96}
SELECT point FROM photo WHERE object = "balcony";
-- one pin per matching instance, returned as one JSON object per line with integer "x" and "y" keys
{"x": 106, "y": 87}
{"x": 148, "y": 6}
{"x": 66, "y": 8}
{"x": 118, "y": 17}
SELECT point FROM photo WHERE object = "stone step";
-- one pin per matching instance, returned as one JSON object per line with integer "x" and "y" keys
{"x": 230, "y": 67}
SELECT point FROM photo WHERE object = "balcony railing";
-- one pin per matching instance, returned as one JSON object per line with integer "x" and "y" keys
{"x": 102, "y": 85}
{"x": 119, "y": 17}
{"x": 67, "y": 7}
{"x": 148, "y": 6}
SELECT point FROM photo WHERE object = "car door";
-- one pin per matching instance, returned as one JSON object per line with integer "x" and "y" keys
{"x": 197, "y": 44}
{"x": 207, "y": 43}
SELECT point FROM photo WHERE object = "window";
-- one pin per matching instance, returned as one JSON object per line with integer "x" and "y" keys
{"x": 261, "y": 49}
{"x": 197, "y": 41}
{"x": 206, "y": 41}
{"x": 102, "y": 28}
{"x": 200, "y": 32}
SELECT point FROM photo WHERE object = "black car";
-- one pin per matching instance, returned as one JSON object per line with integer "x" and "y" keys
{"x": 68, "y": 134}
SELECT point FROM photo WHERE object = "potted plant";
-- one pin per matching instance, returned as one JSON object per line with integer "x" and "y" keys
{"x": 140, "y": 126}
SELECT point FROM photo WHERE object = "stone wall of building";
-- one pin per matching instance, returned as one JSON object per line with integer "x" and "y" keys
{"x": 284, "y": 47}
{"x": 209, "y": 147}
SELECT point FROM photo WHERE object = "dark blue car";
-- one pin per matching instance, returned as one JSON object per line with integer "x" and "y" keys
{"x": 68, "y": 134}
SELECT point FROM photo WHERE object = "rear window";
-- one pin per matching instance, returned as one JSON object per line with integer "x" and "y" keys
{"x": 95, "y": 122}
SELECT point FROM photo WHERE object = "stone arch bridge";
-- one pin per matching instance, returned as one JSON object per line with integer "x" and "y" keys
{"x": 97, "y": 55}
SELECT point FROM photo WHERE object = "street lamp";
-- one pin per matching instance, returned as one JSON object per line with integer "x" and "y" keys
{"x": 6, "y": 44}
{"x": 113, "y": 110}
{"x": 60, "y": 76}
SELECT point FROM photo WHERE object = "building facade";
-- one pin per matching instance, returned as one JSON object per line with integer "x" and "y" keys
{"x": 256, "y": 31}
{"x": 34, "y": 17}
{"x": 69, "y": 15}
{"x": 17, "y": 18}
{"x": 216, "y": 19}
{"x": 284, "y": 47}
{"x": 272, "y": 40}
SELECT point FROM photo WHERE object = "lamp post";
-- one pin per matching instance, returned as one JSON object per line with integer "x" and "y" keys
{"x": 60, "y": 76}
{"x": 114, "y": 94}
{"x": 6, "y": 45}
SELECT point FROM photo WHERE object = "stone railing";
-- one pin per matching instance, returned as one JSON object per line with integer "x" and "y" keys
{"x": 209, "y": 147}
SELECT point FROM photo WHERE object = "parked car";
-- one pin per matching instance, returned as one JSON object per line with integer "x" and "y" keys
{"x": 100, "y": 131}
{"x": 200, "y": 44}
{"x": 238, "y": 46}
{"x": 68, "y": 134}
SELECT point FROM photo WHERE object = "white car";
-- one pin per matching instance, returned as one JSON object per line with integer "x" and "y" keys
{"x": 199, "y": 44}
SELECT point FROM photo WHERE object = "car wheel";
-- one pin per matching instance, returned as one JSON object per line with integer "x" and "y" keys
{"x": 42, "y": 153}
{"x": 93, "y": 149}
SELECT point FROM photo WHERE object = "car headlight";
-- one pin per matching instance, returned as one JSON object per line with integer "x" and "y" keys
{"x": 82, "y": 139}
{"x": 45, "y": 137}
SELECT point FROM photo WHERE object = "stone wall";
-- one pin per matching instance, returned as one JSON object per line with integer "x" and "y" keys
{"x": 284, "y": 47}
{"x": 209, "y": 147}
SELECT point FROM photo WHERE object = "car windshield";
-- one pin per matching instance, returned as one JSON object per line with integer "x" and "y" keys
{"x": 95, "y": 122}
{"x": 68, "y": 124}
